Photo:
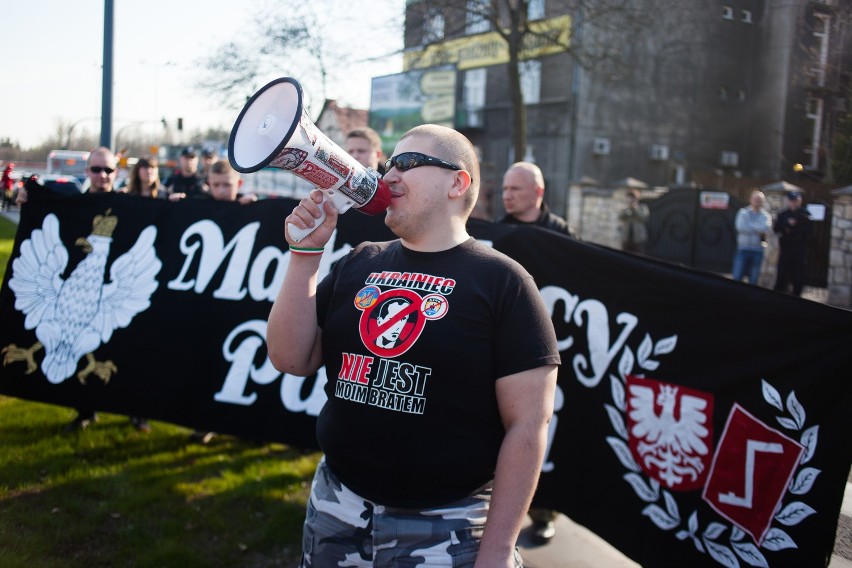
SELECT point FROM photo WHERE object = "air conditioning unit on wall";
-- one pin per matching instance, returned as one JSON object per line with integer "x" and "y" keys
{"x": 600, "y": 147}
{"x": 729, "y": 159}
{"x": 658, "y": 152}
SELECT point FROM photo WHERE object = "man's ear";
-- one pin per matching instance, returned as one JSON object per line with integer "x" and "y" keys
{"x": 240, "y": 182}
{"x": 461, "y": 183}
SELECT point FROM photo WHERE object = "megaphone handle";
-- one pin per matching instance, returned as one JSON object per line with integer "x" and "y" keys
{"x": 340, "y": 201}
{"x": 297, "y": 233}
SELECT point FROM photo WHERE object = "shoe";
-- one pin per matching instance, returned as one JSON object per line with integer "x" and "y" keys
{"x": 81, "y": 422}
{"x": 199, "y": 437}
{"x": 140, "y": 424}
{"x": 542, "y": 532}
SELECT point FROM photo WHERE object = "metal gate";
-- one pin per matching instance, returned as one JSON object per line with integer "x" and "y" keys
{"x": 819, "y": 246}
{"x": 694, "y": 227}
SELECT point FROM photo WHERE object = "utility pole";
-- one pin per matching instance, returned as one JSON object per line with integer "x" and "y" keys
{"x": 106, "y": 89}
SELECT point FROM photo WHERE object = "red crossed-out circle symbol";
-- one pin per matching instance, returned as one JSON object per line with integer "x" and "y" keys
{"x": 393, "y": 323}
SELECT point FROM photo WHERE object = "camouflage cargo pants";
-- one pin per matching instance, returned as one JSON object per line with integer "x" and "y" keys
{"x": 343, "y": 529}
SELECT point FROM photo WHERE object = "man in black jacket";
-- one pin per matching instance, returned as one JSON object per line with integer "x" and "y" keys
{"x": 793, "y": 227}
{"x": 523, "y": 199}
{"x": 186, "y": 181}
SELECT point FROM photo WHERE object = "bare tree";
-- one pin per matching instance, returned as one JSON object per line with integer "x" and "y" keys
{"x": 280, "y": 44}
{"x": 598, "y": 35}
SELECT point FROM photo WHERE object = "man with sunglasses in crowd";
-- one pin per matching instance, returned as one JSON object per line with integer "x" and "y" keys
{"x": 432, "y": 443}
{"x": 101, "y": 169}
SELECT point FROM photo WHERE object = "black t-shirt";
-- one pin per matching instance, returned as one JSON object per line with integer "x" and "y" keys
{"x": 413, "y": 344}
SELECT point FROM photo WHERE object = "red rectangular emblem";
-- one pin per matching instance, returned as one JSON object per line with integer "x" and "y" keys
{"x": 750, "y": 473}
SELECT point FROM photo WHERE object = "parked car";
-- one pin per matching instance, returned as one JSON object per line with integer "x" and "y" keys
{"x": 61, "y": 184}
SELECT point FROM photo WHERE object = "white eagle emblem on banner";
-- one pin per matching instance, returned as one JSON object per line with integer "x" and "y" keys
{"x": 73, "y": 317}
{"x": 670, "y": 431}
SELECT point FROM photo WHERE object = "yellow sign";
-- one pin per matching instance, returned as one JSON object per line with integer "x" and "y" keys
{"x": 546, "y": 37}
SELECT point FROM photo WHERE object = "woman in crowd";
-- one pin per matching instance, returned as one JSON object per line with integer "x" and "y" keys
{"x": 145, "y": 179}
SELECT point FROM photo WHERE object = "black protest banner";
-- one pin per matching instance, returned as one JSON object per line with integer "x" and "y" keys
{"x": 698, "y": 421}
{"x": 189, "y": 348}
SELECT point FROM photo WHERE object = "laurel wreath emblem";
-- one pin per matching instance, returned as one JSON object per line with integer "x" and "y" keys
{"x": 662, "y": 508}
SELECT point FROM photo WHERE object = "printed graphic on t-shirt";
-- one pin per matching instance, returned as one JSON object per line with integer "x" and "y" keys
{"x": 391, "y": 322}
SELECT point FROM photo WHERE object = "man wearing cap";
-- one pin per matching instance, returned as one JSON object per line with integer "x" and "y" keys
{"x": 208, "y": 157}
{"x": 793, "y": 227}
{"x": 185, "y": 181}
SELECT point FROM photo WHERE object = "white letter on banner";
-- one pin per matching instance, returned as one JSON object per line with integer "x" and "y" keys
{"x": 259, "y": 290}
{"x": 232, "y": 284}
{"x": 291, "y": 394}
{"x": 553, "y": 294}
{"x": 242, "y": 364}
{"x": 213, "y": 253}
{"x": 600, "y": 352}
{"x": 189, "y": 252}
{"x": 558, "y": 403}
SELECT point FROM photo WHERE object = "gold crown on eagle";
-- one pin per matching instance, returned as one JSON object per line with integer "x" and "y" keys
{"x": 104, "y": 225}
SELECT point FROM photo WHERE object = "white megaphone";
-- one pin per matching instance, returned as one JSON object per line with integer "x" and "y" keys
{"x": 273, "y": 130}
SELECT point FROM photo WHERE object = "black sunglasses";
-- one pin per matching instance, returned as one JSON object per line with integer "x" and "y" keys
{"x": 408, "y": 160}
{"x": 99, "y": 169}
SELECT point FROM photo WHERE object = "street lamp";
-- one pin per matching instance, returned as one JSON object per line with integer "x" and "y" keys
{"x": 71, "y": 129}
{"x": 134, "y": 124}
{"x": 122, "y": 129}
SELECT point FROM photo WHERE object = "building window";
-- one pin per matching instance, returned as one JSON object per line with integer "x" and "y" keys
{"x": 474, "y": 96}
{"x": 813, "y": 115}
{"x": 728, "y": 159}
{"x": 535, "y": 10}
{"x": 722, "y": 93}
{"x": 822, "y": 27}
{"x": 433, "y": 26}
{"x": 727, "y": 13}
{"x": 746, "y": 16}
{"x": 658, "y": 152}
{"x": 600, "y": 147}
{"x": 475, "y": 20}
{"x": 741, "y": 96}
{"x": 530, "y": 81}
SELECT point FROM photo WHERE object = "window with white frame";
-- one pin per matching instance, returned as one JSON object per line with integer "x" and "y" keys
{"x": 727, "y": 13}
{"x": 746, "y": 16}
{"x": 530, "y": 81}
{"x": 433, "y": 26}
{"x": 822, "y": 27}
{"x": 475, "y": 20}
{"x": 813, "y": 115}
{"x": 535, "y": 10}
{"x": 474, "y": 95}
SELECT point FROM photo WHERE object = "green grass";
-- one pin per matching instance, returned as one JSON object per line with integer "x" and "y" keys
{"x": 112, "y": 496}
{"x": 7, "y": 239}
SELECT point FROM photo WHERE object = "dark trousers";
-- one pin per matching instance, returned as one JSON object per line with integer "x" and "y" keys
{"x": 791, "y": 270}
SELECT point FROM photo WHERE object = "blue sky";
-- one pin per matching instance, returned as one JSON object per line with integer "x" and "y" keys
{"x": 53, "y": 52}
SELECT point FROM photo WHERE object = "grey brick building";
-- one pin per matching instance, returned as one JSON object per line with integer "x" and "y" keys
{"x": 695, "y": 89}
